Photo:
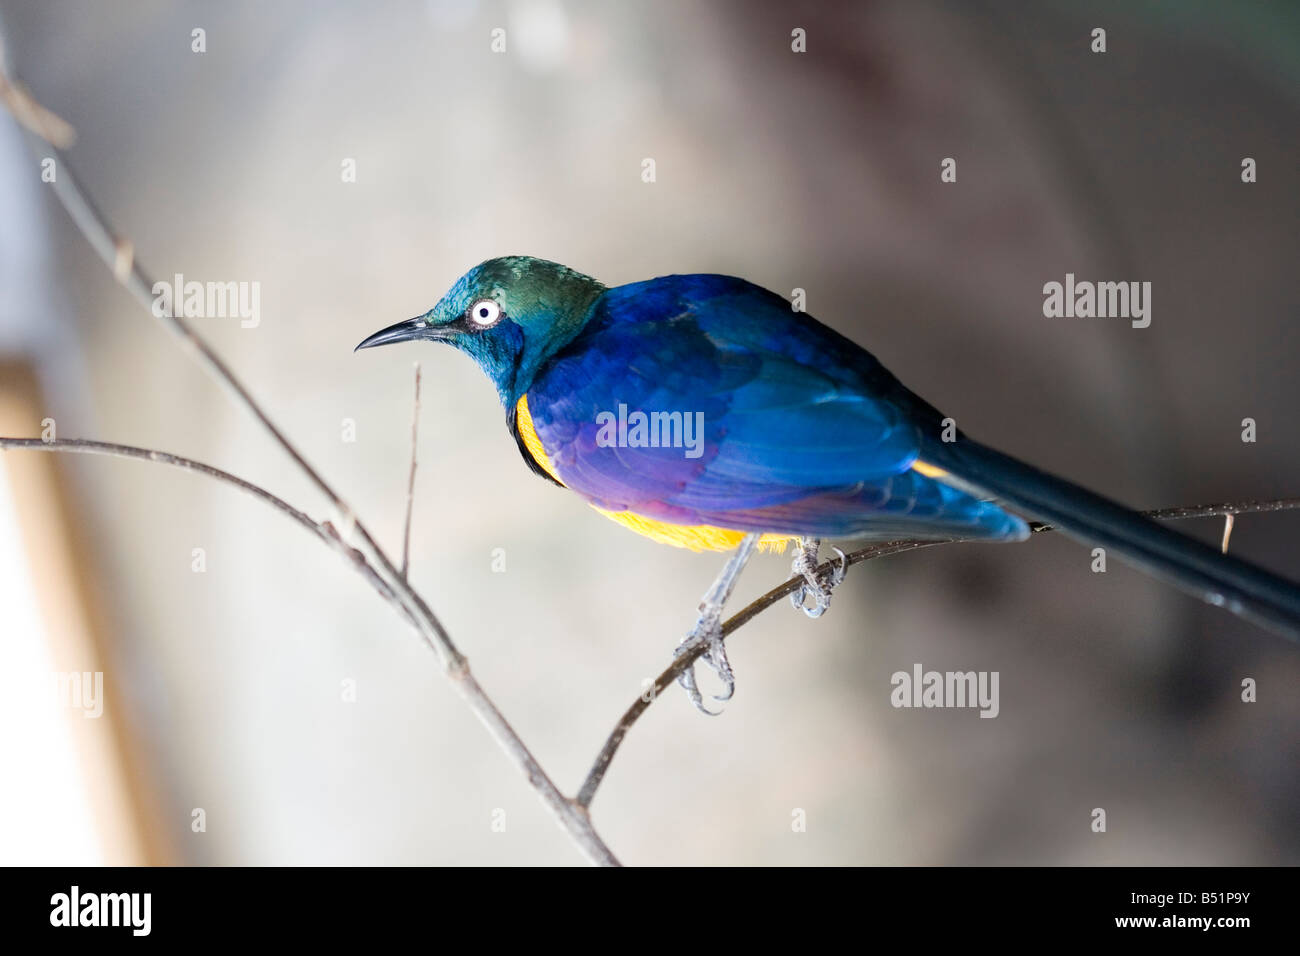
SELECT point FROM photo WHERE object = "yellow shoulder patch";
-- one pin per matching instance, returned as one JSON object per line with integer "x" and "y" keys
{"x": 524, "y": 422}
{"x": 700, "y": 537}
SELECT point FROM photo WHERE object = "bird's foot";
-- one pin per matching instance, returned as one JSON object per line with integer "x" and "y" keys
{"x": 707, "y": 631}
{"x": 814, "y": 585}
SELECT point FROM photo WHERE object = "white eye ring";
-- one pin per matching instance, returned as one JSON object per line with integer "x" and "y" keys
{"x": 484, "y": 313}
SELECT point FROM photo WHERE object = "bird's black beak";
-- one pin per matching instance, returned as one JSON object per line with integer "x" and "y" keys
{"x": 415, "y": 328}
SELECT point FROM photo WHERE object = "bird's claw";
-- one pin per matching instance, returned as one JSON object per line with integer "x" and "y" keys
{"x": 707, "y": 631}
{"x": 818, "y": 586}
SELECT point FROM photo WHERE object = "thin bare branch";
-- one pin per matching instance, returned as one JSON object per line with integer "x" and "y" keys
{"x": 49, "y": 126}
{"x": 742, "y": 617}
{"x": 463, "y": 680}
{"x": 119, "y": 255}
{"x": 1249, "y": 507}
{"x": 322, "y": 530}
{"x": 410, "y": 482}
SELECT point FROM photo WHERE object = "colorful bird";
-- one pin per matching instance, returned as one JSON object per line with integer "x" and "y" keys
{"x": 703, "y": 411}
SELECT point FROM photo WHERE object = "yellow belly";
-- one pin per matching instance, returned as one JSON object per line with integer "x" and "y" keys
{"x": 697, "y": 537}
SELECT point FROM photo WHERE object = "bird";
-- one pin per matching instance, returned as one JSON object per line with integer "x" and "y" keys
{"x": 706, "y": 412}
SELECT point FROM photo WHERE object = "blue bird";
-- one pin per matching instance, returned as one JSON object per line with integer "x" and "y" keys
{"x": 703, "y": 412}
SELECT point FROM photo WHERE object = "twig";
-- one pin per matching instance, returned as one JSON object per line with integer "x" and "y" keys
{"x": 742, "y": 617}
{"x": 323, "y": 531}
{"x": 49, "y": 126}
{"x": 118, "y": 254}
{"x": 1250, "y": 507}
{"x": 410, "y": 483}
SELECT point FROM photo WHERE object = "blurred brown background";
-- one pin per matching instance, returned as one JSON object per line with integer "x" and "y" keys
{"x": 817, "y": 170}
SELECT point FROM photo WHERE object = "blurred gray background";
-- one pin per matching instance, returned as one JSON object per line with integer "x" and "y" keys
{"x": 817, "y": 170}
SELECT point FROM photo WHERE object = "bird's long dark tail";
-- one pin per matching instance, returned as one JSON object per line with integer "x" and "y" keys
{"x": 1238, "y": 586}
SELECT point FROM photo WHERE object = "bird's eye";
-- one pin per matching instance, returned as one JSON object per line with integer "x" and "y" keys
{"x": 484, "y": 313}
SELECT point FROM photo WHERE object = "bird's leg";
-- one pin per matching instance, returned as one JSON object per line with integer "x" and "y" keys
{"x": 708, "y": 629}
{"x": 818, "y": 586}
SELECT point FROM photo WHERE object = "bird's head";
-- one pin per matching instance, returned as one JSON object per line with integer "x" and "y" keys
{"x": 509, "y": 315}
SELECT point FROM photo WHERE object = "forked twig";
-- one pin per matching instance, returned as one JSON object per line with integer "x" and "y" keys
{"x": 410, "y": 483}
{"x": 118, "y": 254}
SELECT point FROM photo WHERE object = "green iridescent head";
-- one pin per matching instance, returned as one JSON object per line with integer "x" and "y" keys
{"x": 509, "y": 315}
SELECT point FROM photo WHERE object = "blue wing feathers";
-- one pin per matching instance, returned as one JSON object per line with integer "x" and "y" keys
{"x": 802, "y": 431}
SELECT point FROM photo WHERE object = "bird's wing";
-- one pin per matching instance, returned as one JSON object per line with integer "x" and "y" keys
{"x": 783, "y": 406}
